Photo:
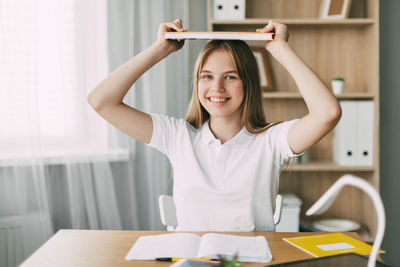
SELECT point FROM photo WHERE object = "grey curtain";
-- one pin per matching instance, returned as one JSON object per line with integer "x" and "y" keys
{"x": 165, "y": 89}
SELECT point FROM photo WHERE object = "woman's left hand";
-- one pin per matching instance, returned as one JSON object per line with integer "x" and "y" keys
{"x": 281, "y": 34}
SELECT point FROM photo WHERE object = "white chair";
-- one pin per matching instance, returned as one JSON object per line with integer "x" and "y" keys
{"x": 168, "y": 211}
{"x": 278, "y": 209}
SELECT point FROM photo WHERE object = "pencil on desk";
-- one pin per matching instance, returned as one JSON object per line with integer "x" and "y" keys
{"x": 177, "y": 259}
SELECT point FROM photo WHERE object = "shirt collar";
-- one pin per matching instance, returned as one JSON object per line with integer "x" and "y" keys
{"x": 206, "y": 135}
{"x": 243, "y": 138}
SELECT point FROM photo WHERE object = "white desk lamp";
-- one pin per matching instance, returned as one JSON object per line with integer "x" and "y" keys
{"x": 327, "y": 199}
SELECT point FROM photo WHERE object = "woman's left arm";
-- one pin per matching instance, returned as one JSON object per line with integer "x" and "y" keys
{"x": 324, "y": 111}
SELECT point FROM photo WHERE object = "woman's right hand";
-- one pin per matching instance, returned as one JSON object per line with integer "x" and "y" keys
{"x": 170, "y": 45}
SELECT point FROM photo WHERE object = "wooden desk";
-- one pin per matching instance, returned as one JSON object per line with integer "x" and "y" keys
{"x": 109, "y": 248}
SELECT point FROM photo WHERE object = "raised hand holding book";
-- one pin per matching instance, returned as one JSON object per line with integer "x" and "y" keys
{"x": 220, "y": 35}
{"x": 211, "y": 245}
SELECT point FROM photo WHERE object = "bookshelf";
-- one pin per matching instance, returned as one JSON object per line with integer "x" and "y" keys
{"x": 342, "y": 47}
{"x": 296, "y": 95}
{"x": 329, "y": 166}
{"x": 220, "y": 24}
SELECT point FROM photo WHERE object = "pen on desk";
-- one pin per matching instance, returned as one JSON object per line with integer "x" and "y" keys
{"x": 177, "y": 259}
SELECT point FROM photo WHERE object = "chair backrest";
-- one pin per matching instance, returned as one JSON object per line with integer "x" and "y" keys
{"x": 278, "y": 209}
{"x": 168, "y": 211}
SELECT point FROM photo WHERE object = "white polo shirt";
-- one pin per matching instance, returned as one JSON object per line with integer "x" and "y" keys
{"x": 228, "y": 187}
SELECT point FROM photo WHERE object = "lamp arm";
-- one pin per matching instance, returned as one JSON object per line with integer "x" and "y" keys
{"x": 326, "y": 200}
{"x": 329, "y": 196}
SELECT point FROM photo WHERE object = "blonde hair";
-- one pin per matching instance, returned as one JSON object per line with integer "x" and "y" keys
{"x": 252, "y": 113}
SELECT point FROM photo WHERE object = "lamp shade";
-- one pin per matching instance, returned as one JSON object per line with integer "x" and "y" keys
{"x": 329, "y": 197}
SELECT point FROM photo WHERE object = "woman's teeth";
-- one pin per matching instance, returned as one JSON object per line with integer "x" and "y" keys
{"x": 218, "y": 100}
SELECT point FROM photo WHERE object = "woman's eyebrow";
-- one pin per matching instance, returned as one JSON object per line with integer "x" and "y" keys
{"x": 229, "y": 71}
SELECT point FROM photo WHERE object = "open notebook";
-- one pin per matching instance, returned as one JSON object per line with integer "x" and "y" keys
{"x": 187, "y": 245}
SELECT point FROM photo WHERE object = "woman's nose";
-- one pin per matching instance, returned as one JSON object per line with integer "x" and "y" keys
{"x": 218, "y": 85}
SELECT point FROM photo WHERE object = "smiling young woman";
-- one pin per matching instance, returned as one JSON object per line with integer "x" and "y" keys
{"x": 221, "y": 90}
{"x": 239, "y": 59}
{"x": 225, "y": 156}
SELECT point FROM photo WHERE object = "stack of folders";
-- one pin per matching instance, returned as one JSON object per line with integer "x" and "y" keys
{"x": 323, "y": 245}
{"x": 353, "y": 136}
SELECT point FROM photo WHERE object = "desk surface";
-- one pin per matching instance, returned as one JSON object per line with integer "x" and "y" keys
{"x": 109, "y": 248}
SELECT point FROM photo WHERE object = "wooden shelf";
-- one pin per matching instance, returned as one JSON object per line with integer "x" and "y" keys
{"x": 347, "y": 48}
{"x": 324, "y": 166}
{"x": 296, "y": 95}
{"x": 300, "y": 22}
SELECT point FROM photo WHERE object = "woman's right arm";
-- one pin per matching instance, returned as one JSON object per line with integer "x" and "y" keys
{"x": 106, "y": 99}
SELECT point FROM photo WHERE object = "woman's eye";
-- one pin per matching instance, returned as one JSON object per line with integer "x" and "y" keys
{"x": 206, "y": 77}
{"x": 230, "y": 77}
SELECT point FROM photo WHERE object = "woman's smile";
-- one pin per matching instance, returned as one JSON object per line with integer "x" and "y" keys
{"x": 218, "y": 99}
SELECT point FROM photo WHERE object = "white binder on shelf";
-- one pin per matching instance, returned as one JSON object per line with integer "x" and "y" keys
{"x": 220, "y": 9}
{"x": 229, "y": 9}
{"x": 353, "y": 136}
{"x": 365, "y": 128}
{"x": 345, "y": 136}
{"x": 237, "y": 9}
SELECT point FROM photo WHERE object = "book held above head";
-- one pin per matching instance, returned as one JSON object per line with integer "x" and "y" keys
{"x": 220, "y": 35}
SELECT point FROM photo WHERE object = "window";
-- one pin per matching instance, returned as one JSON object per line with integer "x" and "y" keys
{"x": 52, "y": 53}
